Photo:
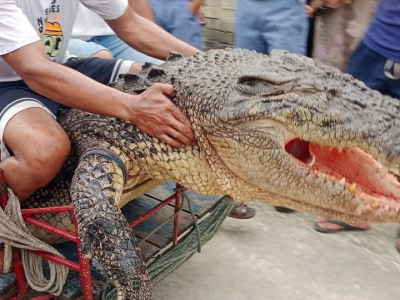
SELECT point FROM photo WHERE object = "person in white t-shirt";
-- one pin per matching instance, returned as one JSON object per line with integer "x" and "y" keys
{"x": 34, "y": 84}
{"x": 92, "y": 37}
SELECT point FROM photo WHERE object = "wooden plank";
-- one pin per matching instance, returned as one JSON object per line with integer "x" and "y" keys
{"x": 133, "y": 190}
{"x": 163, "y": 236}
{"x": 200, "y": 203}
{"x": 72, "y": 288}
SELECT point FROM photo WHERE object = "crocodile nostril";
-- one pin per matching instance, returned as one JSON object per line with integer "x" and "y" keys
{"x": 333, "y": 92}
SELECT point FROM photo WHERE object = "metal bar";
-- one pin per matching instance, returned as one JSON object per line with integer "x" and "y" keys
{"x": 150, "y": 212}
{"x": 178, "y": 203}
{"x": 43, "y": 297}
{"x": 86, "y": 278}
{"x": 19, "y": 274}
{"x": 4, "y": 194}
{"x": 58, "y": 259}
{"x": 51, "y": 228}
{"x": 45, "y": 210}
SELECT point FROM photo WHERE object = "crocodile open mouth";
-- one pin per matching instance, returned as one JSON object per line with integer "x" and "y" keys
{"x": 356, "y": 169}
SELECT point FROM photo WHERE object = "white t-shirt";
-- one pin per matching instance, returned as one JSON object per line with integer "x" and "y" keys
{"x": 23, "y": 22}
{"x": 88, "y": 24}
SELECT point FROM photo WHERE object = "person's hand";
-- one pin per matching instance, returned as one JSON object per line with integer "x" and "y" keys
{"x": 195, "y": 6}
{"x": 201, "y": 18}
{"x": 157, "y": 116}
{"x": 309, "y": 11}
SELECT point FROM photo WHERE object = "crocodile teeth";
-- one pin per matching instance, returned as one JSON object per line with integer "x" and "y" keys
{"x": 384, "y": 171}
{"x": 311, "y": 163}
{"x": 361, "y": 196}
{"x": 352, "y": 187}
{"x": 342, "y": 181}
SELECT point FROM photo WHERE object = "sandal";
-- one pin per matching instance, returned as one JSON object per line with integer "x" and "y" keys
{"x": 345, "y": 227}
{"x": 242, "y": 211}
{"x": 284, "y": 210}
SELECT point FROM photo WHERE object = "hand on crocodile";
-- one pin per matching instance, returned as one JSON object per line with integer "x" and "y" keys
{"x": 157, "y": 116}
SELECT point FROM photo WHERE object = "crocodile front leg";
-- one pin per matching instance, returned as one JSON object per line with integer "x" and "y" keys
{"x": 103, "y": 230}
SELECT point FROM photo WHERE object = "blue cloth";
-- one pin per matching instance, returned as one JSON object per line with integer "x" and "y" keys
{"x": 368, "y": 66}
{"x": 113, "y": 43}
{"x": 176, "y": 17}
{"x": 264, "y": 25}
{"x": 383, "y": 34}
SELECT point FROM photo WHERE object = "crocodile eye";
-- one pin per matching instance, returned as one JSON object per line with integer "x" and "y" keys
{"x": 252, "y": 85}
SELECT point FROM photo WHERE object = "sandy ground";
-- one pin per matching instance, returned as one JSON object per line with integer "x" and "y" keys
{"x": 280, "y": 257}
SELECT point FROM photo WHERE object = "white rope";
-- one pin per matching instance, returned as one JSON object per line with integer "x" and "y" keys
{"x": 14, "y": 233}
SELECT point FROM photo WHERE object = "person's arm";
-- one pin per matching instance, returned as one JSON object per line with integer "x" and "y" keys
{"x": 143, "y": 8}
{"x": 147, "y": 37}
{"x": 151, "y": 111}
{"x": 195, "y": 6}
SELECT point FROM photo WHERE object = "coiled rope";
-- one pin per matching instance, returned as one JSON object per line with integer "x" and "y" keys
{"x": 14, "y": 233}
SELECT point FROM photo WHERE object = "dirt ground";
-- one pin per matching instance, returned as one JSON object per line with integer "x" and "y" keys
{"x": 280, "y": 257}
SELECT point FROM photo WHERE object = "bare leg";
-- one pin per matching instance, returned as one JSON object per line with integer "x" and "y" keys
{"x": 40, "y": 147}
{"x": 103, "y": 54}
{"x": 398, "y": 240}
{"x": 135, "y": 68}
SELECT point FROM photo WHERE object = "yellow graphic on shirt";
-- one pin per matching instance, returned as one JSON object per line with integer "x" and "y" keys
{"x": 52, "y": 38}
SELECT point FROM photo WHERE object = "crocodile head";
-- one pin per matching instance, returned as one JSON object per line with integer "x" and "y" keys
{"x": 290, "y": 132}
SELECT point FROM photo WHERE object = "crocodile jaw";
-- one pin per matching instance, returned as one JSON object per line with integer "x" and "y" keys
{"x": 280, "y": 169}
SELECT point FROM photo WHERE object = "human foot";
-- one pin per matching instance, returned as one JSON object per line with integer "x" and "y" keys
{"x": 242, "y": 211}
{"x": 331, "y": 226}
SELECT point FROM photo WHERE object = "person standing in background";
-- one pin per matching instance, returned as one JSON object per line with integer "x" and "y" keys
{"x": 181, "y": 18}
{"x": 267, "y": 25}
{"x": 376, "y": 62}
{"x": 339, "y": 27}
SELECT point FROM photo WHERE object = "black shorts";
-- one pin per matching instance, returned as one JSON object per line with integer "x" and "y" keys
{"x": 100, "y": 70}
{"x": 16, "y": 96}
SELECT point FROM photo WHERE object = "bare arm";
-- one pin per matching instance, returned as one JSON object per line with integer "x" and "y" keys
{"x": 147, "y": 37}
{"x": 151, "y": 111}
{"x": 142, "y": 7}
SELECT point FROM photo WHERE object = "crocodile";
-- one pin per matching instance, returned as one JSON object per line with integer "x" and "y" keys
{"x": 279, "y": 128}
